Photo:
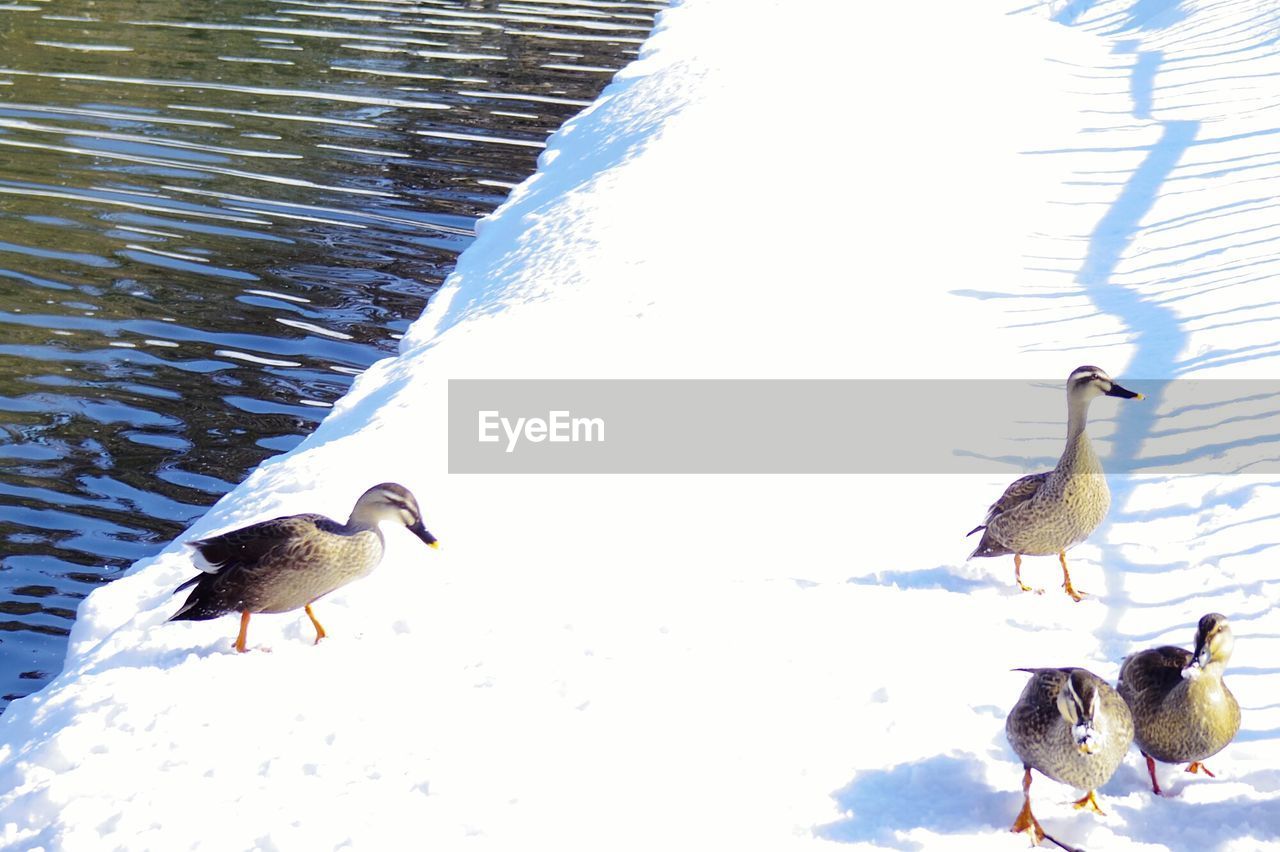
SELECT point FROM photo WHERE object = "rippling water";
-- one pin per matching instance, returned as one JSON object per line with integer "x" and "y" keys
{"x": 212, "y": 216}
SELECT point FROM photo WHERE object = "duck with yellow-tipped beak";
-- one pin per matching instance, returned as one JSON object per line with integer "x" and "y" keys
{"x": 1051, "y": 512}
{"x": 291, "y": 562}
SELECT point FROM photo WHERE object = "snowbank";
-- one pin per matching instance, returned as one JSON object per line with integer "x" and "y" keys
{"x": 775, "y": 190}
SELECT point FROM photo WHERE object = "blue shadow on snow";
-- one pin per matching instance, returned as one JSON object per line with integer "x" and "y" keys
{"x": 946, "y": 794}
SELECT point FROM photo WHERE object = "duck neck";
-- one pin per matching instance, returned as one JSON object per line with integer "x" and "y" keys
{"x": 362, "y": 524}
{"x": 1210, "y": 675}
{"x": 1208, "y": 692}
{"x": 1078, "y": 455}
{"x": 358, "y": 521}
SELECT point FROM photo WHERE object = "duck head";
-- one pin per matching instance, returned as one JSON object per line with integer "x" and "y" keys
{"x": 1087, "y": 382}
{"x": 391, "y": 501}
{"x": 1080, "y": 706}
{"x": 1214, "y": 642}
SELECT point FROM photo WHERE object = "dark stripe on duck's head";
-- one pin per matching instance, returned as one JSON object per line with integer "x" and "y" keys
{"x": 1086, "y": 375}
{"x": 1083, "y": 378}
{"x": 1085, "y": 691}
{"x": 1211, "y": 623}
{"x": 390, "y": 501}
{"x": 1214, "y": 640}
{"x": 1078, "y": 704}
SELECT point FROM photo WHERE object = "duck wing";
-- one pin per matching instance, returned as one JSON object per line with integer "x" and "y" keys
{"x": 1019, "y": 491}
{"x": 248, "y": 545}
{"x": 1155, "y": 672}
{"x": 232, "y": 564}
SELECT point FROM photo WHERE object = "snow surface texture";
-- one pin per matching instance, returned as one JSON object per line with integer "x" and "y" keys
{"x": 776, "y": 189}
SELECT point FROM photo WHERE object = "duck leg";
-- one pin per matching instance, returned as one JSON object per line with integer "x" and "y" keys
{"x": 244, "y": 631}
{"x": 320, "y": 634}
{"x": 1151, "y": 770}
{"x": 1197, "y": 766}
{"x": 1026, "y": 822}
{"x": 1089, "y": 801}
{"x": 1017, "y": 575}
{"x": 1066, "y": 578}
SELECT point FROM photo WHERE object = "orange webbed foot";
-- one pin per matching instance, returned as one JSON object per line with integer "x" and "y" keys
{"x": 1076, "y": 596}
{"x": 1088, "y": 800}
{"x": 1026, "y": 823}
{"x": 1017, "y": 576}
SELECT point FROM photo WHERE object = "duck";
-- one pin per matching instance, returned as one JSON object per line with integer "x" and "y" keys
{"x": 1051, "y": 512}
{"x": 289, "y": 563}
{"x": 1071, "y": 726}
{"x": 1183, "y": 711}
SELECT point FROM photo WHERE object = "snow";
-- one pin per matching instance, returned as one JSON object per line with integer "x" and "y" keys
{"x": 774, "y": 190}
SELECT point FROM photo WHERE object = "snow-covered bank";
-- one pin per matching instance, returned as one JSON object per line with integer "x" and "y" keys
{"x": 774, "y": 190}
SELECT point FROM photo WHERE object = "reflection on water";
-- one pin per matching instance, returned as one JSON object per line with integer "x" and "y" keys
{"x": 212, "y": 216}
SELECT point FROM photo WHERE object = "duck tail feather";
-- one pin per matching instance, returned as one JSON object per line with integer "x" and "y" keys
{"x": 989, "y": 547}
{"x": 197, "y": 606}
{"x": 196, "y": 609}
{"x": 200, "y": 559}
{"x": 188, "y": 584}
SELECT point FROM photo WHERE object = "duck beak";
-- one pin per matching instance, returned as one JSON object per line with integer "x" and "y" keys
{"x": 1123, "y": 393}
{"x": 1086, "y": 738}
{"x": 427, "y": 538}
{"x": 1200, "y": 658}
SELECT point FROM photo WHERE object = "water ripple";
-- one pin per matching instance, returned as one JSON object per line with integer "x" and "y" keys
{"x": 213, "y": 217}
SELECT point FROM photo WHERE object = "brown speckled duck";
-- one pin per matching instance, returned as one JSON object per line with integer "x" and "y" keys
{"x": 1051, "y": 512}
{"x": 1071, "y": 726}
{"x": 1182, "y": 710}
{"x": 288, "y": 563}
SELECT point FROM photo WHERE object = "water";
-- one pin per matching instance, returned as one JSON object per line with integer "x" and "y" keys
{"x": 212, "y": 217}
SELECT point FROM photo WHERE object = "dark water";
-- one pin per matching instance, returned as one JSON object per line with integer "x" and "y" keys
{"x": 213, "y": 216}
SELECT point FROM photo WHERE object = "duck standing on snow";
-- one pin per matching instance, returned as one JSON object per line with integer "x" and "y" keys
{"x": 1071, "y": 726}
{"x": 1182, "y": 710}
{"x": 290, "y": 562}
{"x": 1051, "y": 512}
